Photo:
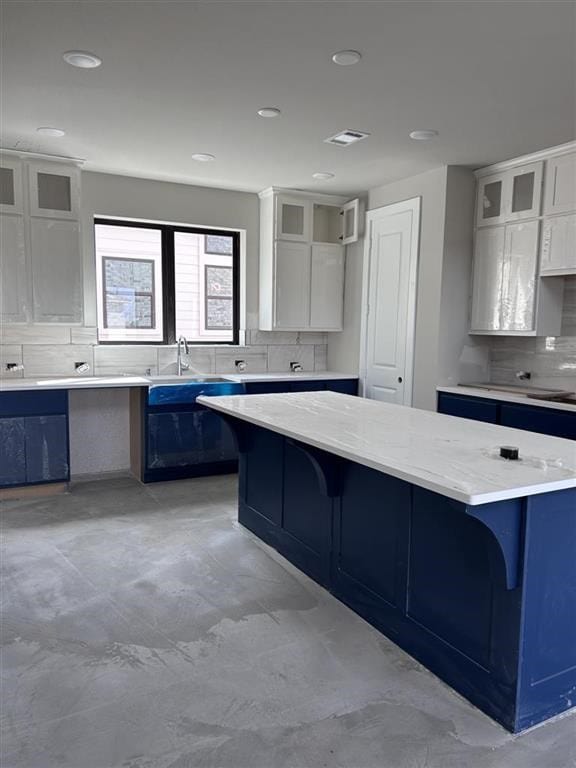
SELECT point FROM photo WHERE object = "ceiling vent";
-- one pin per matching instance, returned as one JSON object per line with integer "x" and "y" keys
{"x": 347, "y": 137}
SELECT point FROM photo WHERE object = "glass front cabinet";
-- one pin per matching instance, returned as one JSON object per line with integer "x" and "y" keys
{"x": 509, "y": 196}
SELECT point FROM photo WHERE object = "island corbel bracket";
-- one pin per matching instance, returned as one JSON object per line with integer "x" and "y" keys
{"x": 327, "y": 467}
{"x": 240, "y": 431}
{"x": 505, "y": 522}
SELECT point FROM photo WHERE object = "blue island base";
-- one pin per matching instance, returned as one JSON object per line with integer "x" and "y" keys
{"x": 484, "y": 596}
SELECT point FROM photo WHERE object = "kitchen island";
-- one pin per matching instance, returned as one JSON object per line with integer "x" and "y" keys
{"x": 464, "y": 559}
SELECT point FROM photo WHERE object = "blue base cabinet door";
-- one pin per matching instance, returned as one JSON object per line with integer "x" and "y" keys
{"x": 180, "y": 439}
{"x": 12, "y": 452}
{"x": 46, "y": 439}
{"x": 544, "y": 420}
{"x": 468, "y": 407}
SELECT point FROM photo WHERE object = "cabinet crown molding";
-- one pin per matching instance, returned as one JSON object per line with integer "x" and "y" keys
{"x": 317, "y": 197}
{"x": 24, "y": 155}
{"x": 543, "y": 154}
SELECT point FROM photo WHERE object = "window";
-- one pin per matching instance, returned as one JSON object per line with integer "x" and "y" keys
{"x": 158, "y": 282}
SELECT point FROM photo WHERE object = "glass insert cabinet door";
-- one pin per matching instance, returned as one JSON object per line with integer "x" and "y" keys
{"x": 10, "y": 185}
{"x": 525, "y": 186}
{"x": 491, "y": 196}
{"x": 54, "y": 191}
{"x": 293, "y": 219}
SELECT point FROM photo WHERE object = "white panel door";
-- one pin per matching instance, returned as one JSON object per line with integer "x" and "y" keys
{"x": 487, "y": 279}
{"x": 292, "y": 286}
{"x": 327, "y": 287}
{"x": 559, "y": 245}
{"x": 519, "y": 277}
{"x": 56, "y": 262}
{"x": 560, "y": 185}
{"x": 391, "y": 306}
{"x": 12, "y": 270}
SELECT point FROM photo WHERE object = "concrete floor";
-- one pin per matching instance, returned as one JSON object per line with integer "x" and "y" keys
{"x": 143, "y": 628}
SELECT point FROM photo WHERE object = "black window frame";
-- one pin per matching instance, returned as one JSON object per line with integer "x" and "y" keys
{"x": 168, "y": 231}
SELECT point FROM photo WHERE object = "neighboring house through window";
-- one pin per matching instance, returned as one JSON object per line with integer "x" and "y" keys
{"x": 158, "y": 281}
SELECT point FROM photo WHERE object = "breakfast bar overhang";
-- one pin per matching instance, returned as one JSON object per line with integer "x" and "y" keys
{"x": 464, "y": 559}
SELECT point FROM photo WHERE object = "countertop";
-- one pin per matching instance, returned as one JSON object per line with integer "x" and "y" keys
{"x": 508, "y": 397}
{"x": 429, "y": 449}
{"x": 103, "y": 382}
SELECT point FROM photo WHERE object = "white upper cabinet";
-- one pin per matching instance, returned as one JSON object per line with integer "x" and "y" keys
{"x": 56, "y": 270}
{"x": 490, "y": 202}
{"x": 517, "y": 308}
{"x": 327, "y": 287}
{"x": 13, "y": 284}
{"x": 510, "y": 195}
{"x": 11, "y": 197}
{"x": 54, "y": 190}
{"x": 302, "y": 240}
{"x": 524, "y": 192}
{"x": 293, "y": 217}
{"x": 558, "y": 245}
{"x": 487, "y": 279}
{"x": 292, "y": 286}
{"x": 560, "y": 185}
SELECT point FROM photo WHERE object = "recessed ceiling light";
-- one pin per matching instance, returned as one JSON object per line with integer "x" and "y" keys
{"x": 423, "y": 135}
{"x": 203, "y": 157}
{"x": 322, "y": 175}
{"x": 346, "y": 58}
{"x": 269, "y": 112}
{"x": 82, "y": 59}
{"x": 47, "y": 131}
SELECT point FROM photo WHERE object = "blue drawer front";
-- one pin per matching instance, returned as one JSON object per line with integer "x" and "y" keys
{"x": 186, "y": 394}
{"x": 39, "y": 403}
{"x": 346, "y": 386}
{"x": 266, "y": 387}
{"x": 536, "y": 419}
{"x": 469, "y": 407}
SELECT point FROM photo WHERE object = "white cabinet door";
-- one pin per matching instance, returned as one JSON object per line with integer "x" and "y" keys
{"x": 54, "y": 190}
{"x": 558, "y": 252}
{"x": 487, "y": 279}
{"x": 560, "y": 186}
{"x": 293, "y": 216}
{"x": 524, "y": 192}
{"x": 292, "y": 286}
{"x": 327, "y": 287}
{"x": 56, "y": 264}
{"x": 519, "y": 277}
{"x": 11, "y": 200}
{"x": 12, "y": 269}
{"x": 350, "y": 222}
{"x": 490, "y": 203}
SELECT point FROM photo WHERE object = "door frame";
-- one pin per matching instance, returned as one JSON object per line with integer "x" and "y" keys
{"x": 413, "y": 205}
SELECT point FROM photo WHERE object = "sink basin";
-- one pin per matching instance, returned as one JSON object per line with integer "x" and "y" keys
{"x": 174, "y": 379}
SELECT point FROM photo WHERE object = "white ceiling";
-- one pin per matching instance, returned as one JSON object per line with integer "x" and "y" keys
{"x": 496, "y": 79}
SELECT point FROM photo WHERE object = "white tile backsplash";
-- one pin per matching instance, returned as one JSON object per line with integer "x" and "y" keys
{"x": 58, "y": 360}
{"x": 275, "y": 338}
{"x": 35, "y": 334}
{"x": 10, "y": 353}
{"x": 280, "y": 357}
{"x": 114, "y": 359}
{"x": 83, "y": 335}
{"x": 256, "y": 359}
{"x": 200, "y": 359}
{"x": 320, "y": 357}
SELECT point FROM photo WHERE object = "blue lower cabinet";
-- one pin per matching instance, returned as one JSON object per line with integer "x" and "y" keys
{"x": 46, "y": 448}
{"x": 34, "y": 438}
{"x": 547, "y": 421}
{"x": 345, "y": 386}
{"x": 532, "y": 418}
{"x": 12, "y": 452}
{"x": 468, "y": 407}
{"x": 184, "y": 439}
{"x": 313, "y": 385}
{"x": 266, "y": 387}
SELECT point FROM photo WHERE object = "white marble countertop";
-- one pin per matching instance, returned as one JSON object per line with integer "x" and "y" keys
{"x": 103, "y": 382}
{"x": 508, "y": 397}
{"x": 456, "y": 458}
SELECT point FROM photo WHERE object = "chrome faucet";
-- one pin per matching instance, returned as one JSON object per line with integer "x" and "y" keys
{"x": 180, "y": 366}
